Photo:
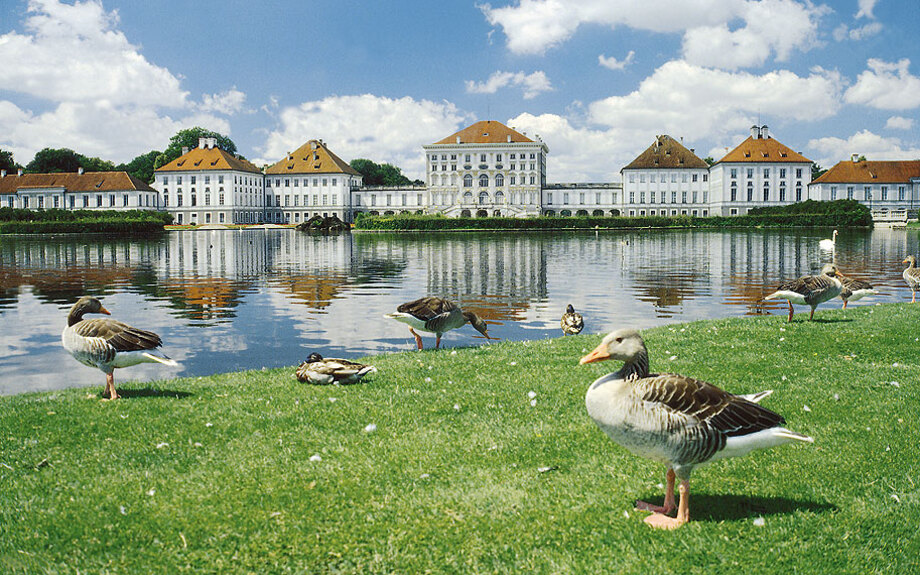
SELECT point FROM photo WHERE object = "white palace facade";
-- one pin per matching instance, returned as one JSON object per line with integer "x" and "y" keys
{"x": 484, "y": 170}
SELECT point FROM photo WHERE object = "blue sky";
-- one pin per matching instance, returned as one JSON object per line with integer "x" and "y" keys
{"x": 596, "y": 79}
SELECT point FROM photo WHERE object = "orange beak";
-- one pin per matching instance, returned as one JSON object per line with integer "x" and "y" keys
{"x": 905, "y": 261}
{"x": 599, "y": 353}
{"x": 105, "y": 311}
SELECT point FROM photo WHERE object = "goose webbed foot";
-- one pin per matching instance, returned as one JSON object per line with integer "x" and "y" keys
{"x": 670, "y": 504}
{"x": 109, "y": 393}
{"x": 661, "y": 521}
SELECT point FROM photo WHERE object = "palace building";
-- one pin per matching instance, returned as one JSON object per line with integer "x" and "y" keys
{"x": 666, "y": 179}
{"x": 77, "y": 191}
{"x": 881, "y": 185}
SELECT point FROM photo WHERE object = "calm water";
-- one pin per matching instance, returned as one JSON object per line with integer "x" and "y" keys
{"x": 231, "y": 300}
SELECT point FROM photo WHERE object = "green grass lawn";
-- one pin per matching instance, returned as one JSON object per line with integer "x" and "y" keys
{"x": 255, "y": 473}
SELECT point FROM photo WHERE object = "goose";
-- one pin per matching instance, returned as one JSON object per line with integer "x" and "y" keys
{"x": 810, "y": 290}
{"x": 572, "y": 322}
{"x": 854, "y": 290}
{"x": 830, "y": 244}
{"x": 676, "y": 420}
{"x": 912, "y": 276}
{"x": 435, "y": 315}
{"x": 106, "y": 343}
{"x": 324, "y": 371}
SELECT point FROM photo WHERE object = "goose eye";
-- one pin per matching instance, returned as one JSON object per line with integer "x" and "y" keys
{"x": 619, "y": 340}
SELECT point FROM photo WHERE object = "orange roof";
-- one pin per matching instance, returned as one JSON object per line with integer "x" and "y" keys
{"x": 485, "y": 132}
{"x": 74, "y": 182}
{"x": 312, "y": 158}
{"x": 206, "y": 159}
{"x": 666, "y": 152}
{"x": 866, "y": 172}
{"x": 763, "y": 150}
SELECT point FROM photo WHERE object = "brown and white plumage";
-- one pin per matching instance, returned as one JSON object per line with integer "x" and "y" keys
{"x": 676, "y": 420}
{"x": 572, "y": 322}
{"x": 436, "y": 315}
{"x": 810, "y": 290}
{"x": 854, "y": 290}
{"x": 107, "y": 343}
{"x": 332, "y": 370}
{"x": 912, "y": 276}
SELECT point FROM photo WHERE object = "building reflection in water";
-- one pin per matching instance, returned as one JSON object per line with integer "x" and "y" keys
{"x": 268, "y": 297}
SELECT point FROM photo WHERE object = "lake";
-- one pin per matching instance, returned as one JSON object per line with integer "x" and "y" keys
{"x": 230, "y": 300}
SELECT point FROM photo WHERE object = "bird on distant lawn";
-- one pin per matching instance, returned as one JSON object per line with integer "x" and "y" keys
{"x": 676, "y": 420}
{"x": 912, "y": 276}
{"x": 830, "y": 244}
{"x": 324, "y": 371}
{"x": 810, "y": 290}
{"x": 572, "y": 322}
{"x": 854, "y": 290}
{"x": 107, "y": 343}
{"x": 435, "y": 315}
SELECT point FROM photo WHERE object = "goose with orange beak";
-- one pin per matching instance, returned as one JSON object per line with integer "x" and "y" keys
{"x": 676, "y": 420}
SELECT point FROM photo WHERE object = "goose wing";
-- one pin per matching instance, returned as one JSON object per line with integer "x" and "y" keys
{"x": 851, "y": 285}
{"x": 806, "y": 285}
{"x": 120, "y": 336}
{"x": 427, "y": 308}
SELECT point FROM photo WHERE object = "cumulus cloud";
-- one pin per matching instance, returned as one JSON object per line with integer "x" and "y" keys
{"x": 844, "y": 32}
{"x": 366, "y": 126}
{"x": 899, "y": 123}
{"x": 865, "y": 8}
{"x": 228, "y": 103}
{"x": 886, "y": 86}
{"x": 866, "y": 143}
{"x": 725, "y": 33}
{"x": 680, "y": 98}
{"x": 532, "y": 84}
{"x": 614, "y": 64}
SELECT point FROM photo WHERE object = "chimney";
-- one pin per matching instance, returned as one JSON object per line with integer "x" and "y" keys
{"x": 80, "y": 171}
{"x": 203, "y": 143}
{"x": 313, "y": 144}
{"x": 692, "y": 150}
{"x": 509, "y": 138}
{"x": 2, "y": 173}
{"x": 184, "y": 150}
{"x": 854, "y": 158}
{"x": 764, "y": 132}
{"x": 755, "y": 132}
{"x": 19, "y": 172}
{"x": 458, "y": 139}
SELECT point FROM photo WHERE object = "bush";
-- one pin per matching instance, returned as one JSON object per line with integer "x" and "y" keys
{"x": 127, "y": 223}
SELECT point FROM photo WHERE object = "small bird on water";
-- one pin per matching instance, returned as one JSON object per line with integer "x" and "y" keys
{"x": 107, "y": 343}
{"x": 572, "y": 322}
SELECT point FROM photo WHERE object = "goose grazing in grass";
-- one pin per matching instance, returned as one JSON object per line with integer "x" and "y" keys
{"x": 912, "y": 276}
{"x": 107, "y": 343}
{"x": 810, "y": 290}
{"x": 325, "y": 371}
{"x": 830, "y": 244}
{"x": 854, "y": 290}
{"x": 676, "y": 420}
{"x": 572, "y": 322}
{"x": 436, "y": 315}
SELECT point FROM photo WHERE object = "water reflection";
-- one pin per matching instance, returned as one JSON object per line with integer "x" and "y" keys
{"x": 227, "y": 300}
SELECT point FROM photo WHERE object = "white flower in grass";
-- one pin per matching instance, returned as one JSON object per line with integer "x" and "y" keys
{"x": 673, "y": 357}
{"x": 806, "y": 408}
{"x": 162, "y": 445}
{"x": 626, "y": 514}
{"x": 122, "y": 510}
{"x": 531, "y": 394}
{"x": 152, "y": 491}
{"x": 895, "y": 497}
{"x": 333, "y": 399}
{"x": 454, "y": 352}
{"x": 315, "y": 457}
{"x": 513, "y": 363}
{"x": 836, "y": 397}
{"x": 370, "y": 428}
{"x": 533, "y": 403}
{"x": 896, "y": 384}
{"x": 760, "y": 522}
{"x": 424, "y": 476}
{"x": 209, "y": 424}
{"x": 457, "y": 407}
{"x": 427, "y": 380}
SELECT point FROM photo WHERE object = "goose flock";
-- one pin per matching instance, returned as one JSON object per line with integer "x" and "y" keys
{"x": 676, "y": 420}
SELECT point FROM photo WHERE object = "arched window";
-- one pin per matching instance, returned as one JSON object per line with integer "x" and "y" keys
{"x": 499, "y": 197}
{"x": 499, "y": 181}
{"x": 483, "y": 197}
{"x": 483, "y": 181}
{"x": 467, "y": 197}
{"x": 467, "y": 181}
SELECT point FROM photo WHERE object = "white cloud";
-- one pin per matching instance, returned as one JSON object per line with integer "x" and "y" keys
{"x": 724, "y": 33}
{"x": 381, "y": 129}
{"x": 866, "y": 143}
{"x": 843, "y": 32}
{"x": 886, "y": 86}
{"x": 770, "y": 27}
{"x": 899, "y": 123}
{"x": 614, "y": 64}
{"x": 532, "y": 84}
{"x": 228, "y": 103}
{"x": 865, "y": 8}
{"x": 680, "y": 98}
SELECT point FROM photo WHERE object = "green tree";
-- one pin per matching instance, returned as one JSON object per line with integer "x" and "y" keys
{"x": 817, "y": 171}
{"x": 709, "y": 160}
{"x": 188, "y": 138}
{"x": 380, "y": 174}
{"x": 7, "y": 162}
{"x": 52, "y": 160}
{"x": 95, "y": 164}
{"x": 142, "y": 166}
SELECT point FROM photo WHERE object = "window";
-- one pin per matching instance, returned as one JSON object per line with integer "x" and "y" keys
{"x": 632, "y": 197}
{"x": 734, "y": 191}
{"x": 651, "y": 178}
{"x": 111, "y": 200}
{"x": 124, "y": 200}
{"x": 98, "y": 200}
{"x": 766, "y": 191}
{"x": 165, "y": 180}
{"x": 642, "y": 178}
{"x": 750, "y": 173}
{"x": 849, "y": 192}
{"x": 833, "y": 192}
{"x": 868, "y": 193}
{"x": 884, "y": 192}
{"x": 674, "y": 197}
{"x": 632, "y": 178}
{"x": 652, "y": 198}
{"x": 750, "y": 191}
{"x": 641, "y": 197}
{"x": 683, "y": 197}
{"x": 483, "y": 181}
{"x": 483, "y": 198}
{"x": 499, "y": 181}
{"x": 766, "y": 173}
{"x": 734, "y": 173}
{"x": 900, "y": 193}
{"x": 220, "y": 199}
{"x": 194, "y": 200}
{"x": 193, "y": 180}
{"x": 798, "y": 172}
{"x": 798, "y": 191}
{"x": 694, "y": 177}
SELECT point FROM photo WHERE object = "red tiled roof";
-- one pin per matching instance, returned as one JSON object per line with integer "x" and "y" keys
{"x": 74, "y": 182}
{"x": 666, "y": 152}
{"x": 312, "y": 158}
{"x": 485, "y": 132}
{"x": 207, "y": 159}
{"x": 763, "y": 150}
{"x": 869, "y": 172}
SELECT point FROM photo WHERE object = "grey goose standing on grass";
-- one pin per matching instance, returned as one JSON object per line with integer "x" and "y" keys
{"x": 436, "y": 315}
{"x": 854, "y": 290}
{"x": 107, "y": 343}
{"x": 676, "y": 420}
{"x": 810, "y": 290}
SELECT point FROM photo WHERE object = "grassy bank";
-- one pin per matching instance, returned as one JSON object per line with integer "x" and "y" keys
{"x": 462, "y": 474}
{"x": 58, "y": 221}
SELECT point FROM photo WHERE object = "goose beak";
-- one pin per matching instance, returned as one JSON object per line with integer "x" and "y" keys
{"x": 105, "y": 311}
{"x": 599, "y": 353}
{"x": 905, "y": 260}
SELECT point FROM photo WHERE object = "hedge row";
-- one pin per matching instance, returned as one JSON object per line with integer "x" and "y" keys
{"x": 58, "y": 215}
{"x": 111, "y": 227}
{"x": 840, "y": 213}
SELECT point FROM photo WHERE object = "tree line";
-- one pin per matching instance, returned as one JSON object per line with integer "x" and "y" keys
{"x": 57, "y": 160}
